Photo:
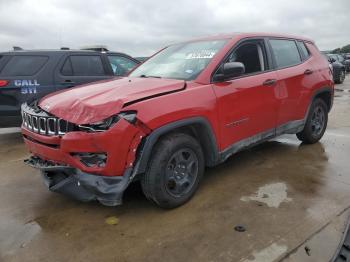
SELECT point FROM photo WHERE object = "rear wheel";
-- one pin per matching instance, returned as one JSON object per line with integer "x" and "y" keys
{"x": 174, "y": 172}
{"x": 316, "y": 123}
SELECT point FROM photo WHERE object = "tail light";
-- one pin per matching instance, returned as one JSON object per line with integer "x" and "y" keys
{"x": 3, "y": 83}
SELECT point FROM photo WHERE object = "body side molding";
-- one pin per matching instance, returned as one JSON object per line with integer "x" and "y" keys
{"x": 291, "y": 127}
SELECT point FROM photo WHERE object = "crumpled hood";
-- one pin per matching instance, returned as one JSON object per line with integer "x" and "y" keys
{"x": 94, "y": 102}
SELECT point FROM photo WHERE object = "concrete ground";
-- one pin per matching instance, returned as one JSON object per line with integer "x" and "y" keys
{"x": 293, "y": 201}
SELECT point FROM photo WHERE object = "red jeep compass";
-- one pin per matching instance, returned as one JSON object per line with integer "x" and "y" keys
{"x": 189, "y": 106}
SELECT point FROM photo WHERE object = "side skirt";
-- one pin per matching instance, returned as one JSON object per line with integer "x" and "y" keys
{"x": 292, "y": 127}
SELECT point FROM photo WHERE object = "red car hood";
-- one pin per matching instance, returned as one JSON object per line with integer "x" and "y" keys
{"x": 94, "y": 102}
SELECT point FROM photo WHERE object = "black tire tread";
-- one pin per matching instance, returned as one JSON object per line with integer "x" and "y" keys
{"x": 150, "y": 181}
{"x": 305, "y": 135}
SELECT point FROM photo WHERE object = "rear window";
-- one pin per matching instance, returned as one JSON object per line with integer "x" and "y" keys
{"x": 304, "y": 51}
{"x": 81, "y": 65}
{"x": 286, "y": 52}
{"x": 23, "y": 65}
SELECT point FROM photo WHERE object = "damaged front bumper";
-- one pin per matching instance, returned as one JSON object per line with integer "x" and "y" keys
{"x": 80, "y": 185}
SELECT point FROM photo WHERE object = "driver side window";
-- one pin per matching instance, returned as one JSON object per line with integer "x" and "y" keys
{"x": 252, "y": 54}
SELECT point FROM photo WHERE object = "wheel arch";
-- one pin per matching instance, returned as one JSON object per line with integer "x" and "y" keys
{"x": 326, "y": 94}
{"x": 199, "y": 127}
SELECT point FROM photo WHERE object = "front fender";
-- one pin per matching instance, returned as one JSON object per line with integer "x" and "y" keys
{"x": 207, "y": 137}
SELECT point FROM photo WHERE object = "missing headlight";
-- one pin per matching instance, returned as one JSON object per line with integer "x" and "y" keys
{"x": 100, "y": 126}
{"x": 129, "y": 116}
{"x": 104, "y": 125}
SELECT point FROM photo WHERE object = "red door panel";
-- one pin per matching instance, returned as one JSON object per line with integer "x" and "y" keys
{"x": 295, "y": 84}
{"x": 246, "y": 107}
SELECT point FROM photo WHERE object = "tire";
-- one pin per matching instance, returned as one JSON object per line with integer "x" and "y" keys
{"x": 174, "y": 171}
{"x": 316, "y": 123}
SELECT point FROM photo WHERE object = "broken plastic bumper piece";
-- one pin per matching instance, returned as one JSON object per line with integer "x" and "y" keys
{"x": 108, "y": 190}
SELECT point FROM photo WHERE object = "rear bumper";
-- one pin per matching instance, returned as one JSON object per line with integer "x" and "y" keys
{"x": 82, "y": 186}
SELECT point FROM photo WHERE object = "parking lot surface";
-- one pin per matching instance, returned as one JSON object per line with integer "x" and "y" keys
{"x": 291, "y": 200}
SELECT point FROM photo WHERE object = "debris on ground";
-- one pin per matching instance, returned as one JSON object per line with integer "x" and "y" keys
{"x": 112, "y": 220}
{"x": 240, "y": 228}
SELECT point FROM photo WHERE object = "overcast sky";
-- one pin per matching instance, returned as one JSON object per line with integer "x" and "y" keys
{"x": 141, "y": 27}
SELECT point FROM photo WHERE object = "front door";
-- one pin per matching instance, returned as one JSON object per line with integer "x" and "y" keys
{"x": 247, "y": 104}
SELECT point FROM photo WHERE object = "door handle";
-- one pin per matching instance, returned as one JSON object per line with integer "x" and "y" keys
{"x": 308, "y": 72}
{"x": 270, "y": 82}
{"x": 68, "y": 82}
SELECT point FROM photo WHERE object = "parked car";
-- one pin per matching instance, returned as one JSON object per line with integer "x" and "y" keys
{"x": 27, "y": 75}
{"x": 338, "y": 67}
{"x": 190, "y": 106}
{"x": 347, "y": 62}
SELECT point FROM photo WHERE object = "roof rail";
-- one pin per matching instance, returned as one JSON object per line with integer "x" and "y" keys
{"x": 98, "y": 48}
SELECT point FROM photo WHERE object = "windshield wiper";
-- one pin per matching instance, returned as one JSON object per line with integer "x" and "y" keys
{"x": 145, "y": 76}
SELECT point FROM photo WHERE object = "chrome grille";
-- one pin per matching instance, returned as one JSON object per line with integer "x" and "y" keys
{"x": 40, "y": 122}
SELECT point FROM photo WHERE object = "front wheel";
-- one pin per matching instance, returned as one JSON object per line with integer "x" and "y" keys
{"x": 174, "y": 172}
{"x": 316, "y": 122}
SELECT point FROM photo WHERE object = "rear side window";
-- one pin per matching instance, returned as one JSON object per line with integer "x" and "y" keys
{"x": 81, "y": 65}
{"x": 286, "y": 52}
{"x": 23, "y": 65}
{"x": 303, "y": 49}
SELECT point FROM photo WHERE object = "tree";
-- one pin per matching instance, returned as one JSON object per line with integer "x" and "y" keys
{"x": 336, "y": 51}
{"x": 345, "y": 49}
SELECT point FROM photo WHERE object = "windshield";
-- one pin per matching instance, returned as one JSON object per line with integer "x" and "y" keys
{"x": 181, "y": 61}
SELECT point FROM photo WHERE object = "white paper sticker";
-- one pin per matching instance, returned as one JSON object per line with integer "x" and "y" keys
{"x": 201, "y": 54}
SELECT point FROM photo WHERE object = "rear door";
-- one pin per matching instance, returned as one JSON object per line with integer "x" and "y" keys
{"x": 25, "y": 76}
{"x": 81, "y": 68}
{"x": 295, "y": 78}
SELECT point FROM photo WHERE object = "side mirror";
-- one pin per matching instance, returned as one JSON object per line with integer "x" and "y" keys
{"x": 230, "y": 70}
{"x": 331, "y": 60}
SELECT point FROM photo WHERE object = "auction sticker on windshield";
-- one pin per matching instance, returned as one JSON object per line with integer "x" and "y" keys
{"x": 201, "y": 54}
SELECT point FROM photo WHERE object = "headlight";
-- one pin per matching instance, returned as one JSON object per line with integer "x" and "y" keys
{"x": 104, "y": 125}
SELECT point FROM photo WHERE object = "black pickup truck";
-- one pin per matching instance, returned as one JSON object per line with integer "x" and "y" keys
{"x": 28, "y": 75}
